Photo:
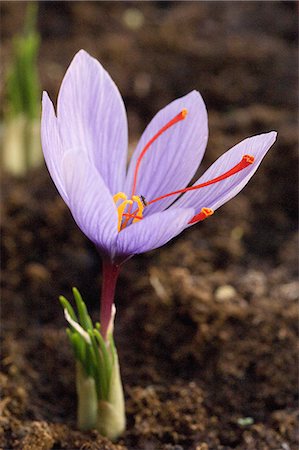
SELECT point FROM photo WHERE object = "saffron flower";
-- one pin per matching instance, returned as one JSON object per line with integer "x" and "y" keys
{"x": 130, "y": 211}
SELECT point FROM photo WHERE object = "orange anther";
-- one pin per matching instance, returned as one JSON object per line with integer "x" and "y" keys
{"x": 248, "y": 159}
{"x": 207, "y": 211}
{"x": 204, "y": 213}
{"x": 184, "y": 113}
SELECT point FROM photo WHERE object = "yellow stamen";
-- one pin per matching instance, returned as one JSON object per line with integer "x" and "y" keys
{"x": 120, "y": 211}
{"x": 140, "y": 209}
{"x": 118, "y": 196}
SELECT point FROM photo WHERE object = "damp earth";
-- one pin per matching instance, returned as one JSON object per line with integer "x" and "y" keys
{"x": 206, "y": 327}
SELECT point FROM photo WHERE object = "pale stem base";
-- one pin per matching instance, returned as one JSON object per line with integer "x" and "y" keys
{"x": 111, "y": 419}
{"x": 106, "y": 416}
{"x": 87, "y": 399}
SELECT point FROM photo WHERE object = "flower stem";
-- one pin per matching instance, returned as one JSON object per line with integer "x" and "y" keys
{"x": 110, "y": 276}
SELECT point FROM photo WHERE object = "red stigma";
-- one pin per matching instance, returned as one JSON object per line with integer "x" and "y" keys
{"x": 181, "y": 116}
{"x": 246, "y": 161}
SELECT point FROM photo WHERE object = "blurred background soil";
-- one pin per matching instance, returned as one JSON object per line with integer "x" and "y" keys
{"x": 206, "y": 326}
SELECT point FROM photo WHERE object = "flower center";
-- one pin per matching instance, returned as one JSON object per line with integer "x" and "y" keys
{"x": 124, "y": 208}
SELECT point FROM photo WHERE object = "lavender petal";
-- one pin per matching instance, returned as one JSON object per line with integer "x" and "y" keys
{"x": 91, "y": 116}
{"x": 217, "y": 194}
{"x": 51, "y": 144}
{"x": 173, "y": 158}
{"x": 152, "y": 232}
{"x": 90, "y": 201}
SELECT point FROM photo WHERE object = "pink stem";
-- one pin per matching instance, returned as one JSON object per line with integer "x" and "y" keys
{"x": 110, "y": 275}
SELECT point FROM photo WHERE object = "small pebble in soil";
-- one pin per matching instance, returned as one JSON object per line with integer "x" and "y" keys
{"x": 225, "y": 293}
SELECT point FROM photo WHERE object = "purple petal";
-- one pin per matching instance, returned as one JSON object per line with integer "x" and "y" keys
{"x": 173, "y": 158}
{"x": 91, "y": 116}
{"x": 217, "y": 194}
{"x": 90, "y": 201}
{"x": 152, "y": 232}
{"x": 51, "y": 144}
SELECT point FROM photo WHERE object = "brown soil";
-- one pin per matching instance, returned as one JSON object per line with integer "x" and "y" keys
{"x": 206, "y": 326}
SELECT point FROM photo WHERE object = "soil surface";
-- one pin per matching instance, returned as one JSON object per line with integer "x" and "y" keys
{"x": 206, "y": 326}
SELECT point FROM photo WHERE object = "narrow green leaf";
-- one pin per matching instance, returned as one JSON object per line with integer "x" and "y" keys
{"x": 101, "y": 379}
{"x": 106, "y": 356}
{"x": 78, "y": 344}
{"x": 81, "y": 345}
{"x": 31, "y": 18}
{"x": 73, "y": 344}
{"x": 66, "y": 305}
{"x": 22, "y": 78}
{"x": 95, "y": 348}
{"x": 89, "y": 361}
{"x": 84, "y": 317}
